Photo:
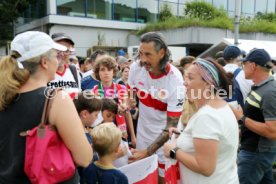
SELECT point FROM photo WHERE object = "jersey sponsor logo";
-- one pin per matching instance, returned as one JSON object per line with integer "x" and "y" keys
{"x": 141, "y": 83}
{"x": 63, "y": 84}
{"x": 180, "y": 102}
{"x": 162, "y": 94}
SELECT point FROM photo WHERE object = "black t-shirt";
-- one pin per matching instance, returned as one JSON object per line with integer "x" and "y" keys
{"x": 23, "y": 114}
{"x": 260, "y": 106}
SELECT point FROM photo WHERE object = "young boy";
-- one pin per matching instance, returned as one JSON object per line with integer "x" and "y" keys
{"x": 88, "y": 107}
{"x": 106, "y": 142}
{"x": 109, "y": 111}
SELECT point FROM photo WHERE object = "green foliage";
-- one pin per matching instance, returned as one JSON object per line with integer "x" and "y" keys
{"x": 203, "y": 11}
{"x": 270, "y": 17}
{"x": 202, "y": 14}
{"x": 257, "y": 25}
{"x": 174, "y": 23}
{"x": 196, "y": 14}
{"x": 165, "y": 12}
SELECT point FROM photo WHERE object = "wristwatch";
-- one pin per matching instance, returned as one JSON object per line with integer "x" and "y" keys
{"x": 173, "y": 152}
{"x": 241, "y": 121}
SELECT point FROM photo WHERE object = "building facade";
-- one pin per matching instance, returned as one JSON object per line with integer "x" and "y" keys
{"x": 110, "y": 22}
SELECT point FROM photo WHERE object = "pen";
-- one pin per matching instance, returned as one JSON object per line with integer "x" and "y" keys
{"x": 166, "y": 130}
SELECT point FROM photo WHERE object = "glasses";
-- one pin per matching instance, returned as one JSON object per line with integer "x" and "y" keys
{"x": 67, "y": 52}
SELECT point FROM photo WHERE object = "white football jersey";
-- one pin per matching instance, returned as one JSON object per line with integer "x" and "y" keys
{"x": 159, "y": 97}
{"x": 66, "y": 81}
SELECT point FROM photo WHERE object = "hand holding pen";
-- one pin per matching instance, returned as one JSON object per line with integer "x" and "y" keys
{"x": 172, "y": 130}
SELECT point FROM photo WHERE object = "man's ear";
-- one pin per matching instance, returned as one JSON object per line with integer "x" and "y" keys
{"x": 161, "y": 53}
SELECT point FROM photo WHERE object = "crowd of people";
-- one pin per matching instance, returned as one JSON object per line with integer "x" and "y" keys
{"x": 115, "y": 111}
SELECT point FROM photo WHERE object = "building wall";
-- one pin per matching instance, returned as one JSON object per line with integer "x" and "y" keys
{"x": 86, "y": 37}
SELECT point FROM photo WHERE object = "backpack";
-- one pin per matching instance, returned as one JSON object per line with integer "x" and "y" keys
{"x": 74, "y": 72}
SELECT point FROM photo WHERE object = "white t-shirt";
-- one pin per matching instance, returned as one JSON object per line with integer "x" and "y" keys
{"x": 159, "y": 97}
{"x": 89, "y": 72}
{"x": 245, "y": 85}
{"x": 66, "y": 81}
{"x": 216, "y": 124}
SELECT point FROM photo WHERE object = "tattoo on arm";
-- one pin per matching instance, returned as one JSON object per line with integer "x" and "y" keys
{"x": 163, "y": 137}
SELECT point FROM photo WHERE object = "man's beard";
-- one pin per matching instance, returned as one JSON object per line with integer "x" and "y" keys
{"x": 146, "y": 66}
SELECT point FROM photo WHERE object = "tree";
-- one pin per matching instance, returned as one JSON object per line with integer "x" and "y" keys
{"x": 165, "y": 12}
{"x": 9, "y": 12}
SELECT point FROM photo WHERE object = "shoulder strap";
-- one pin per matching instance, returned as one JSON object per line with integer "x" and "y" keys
{"x": 236, "y": 72}
{"x": 73, "y": 69}
{"x": 47, "y": 106}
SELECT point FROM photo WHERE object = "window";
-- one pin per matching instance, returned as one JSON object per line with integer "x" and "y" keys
{"x": 37, "y": 9}
{"x": 100, "y": 9}
{"x": 147, "y": 11}
{"x": 71, "y": 7}
{"x": 125, "y": 10}
{"x": 231, "y": 8}
{"x": 220, "y": 4}
{"x": 260, "y": 6}
{"x": 247, "y": 8}
{"x": 271, "y": 6}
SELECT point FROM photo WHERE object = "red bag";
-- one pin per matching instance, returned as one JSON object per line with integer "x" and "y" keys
{"x": 172, "y": 174}
{"x": 47, "y": 159}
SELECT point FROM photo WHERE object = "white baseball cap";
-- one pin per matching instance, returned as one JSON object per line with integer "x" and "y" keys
{"x": 33, "y": 43}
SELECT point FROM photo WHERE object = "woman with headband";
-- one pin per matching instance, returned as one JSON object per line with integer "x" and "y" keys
{"x": 207, "y": 148}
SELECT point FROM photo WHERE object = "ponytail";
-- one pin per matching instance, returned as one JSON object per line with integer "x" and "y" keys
{"x": 12, "y": 78}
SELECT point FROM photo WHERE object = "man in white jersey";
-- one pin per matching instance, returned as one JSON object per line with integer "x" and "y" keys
{"x": 67, "y": 76}
{"x": 159, "y": 87}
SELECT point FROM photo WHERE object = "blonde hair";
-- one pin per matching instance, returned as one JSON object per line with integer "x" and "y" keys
{"x": 12, "y": 78}
{"x": 106, "y": 138}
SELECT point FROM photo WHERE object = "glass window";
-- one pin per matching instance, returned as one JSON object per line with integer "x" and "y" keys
{"x": 231, "y": 8}
{"x": 172, "y": 1}
{"x": 271, "y": 6}
{"x": 172, "y": 6}
{"x": 209, "y": 1}
{"x": 37, "y": 9}
{"x": 260, "y": 6}
{"x": 125, "y": 10}
{"x": 147, "y": 11}
{"x": 71, "y": 7}
{"x": 181, "y": 10}
{"x": 247, "y": 8}
{"x": 101, "y": 9}
{"x": 231, "y": 5}
{"x": 220, "y": 4}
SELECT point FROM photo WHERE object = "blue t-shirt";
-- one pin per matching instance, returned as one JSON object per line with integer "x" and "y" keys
{"x": 95, "y": 173}
{"x": 88, "y": 82}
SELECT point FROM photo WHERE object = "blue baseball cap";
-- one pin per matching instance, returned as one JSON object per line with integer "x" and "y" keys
{"x": 121, "y": 52}
{"x": 231, "y": 52}
{"x": 258, "y": 56}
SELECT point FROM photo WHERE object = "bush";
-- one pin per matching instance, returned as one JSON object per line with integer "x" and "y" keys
{"x": 165, "y": 13}
{"x": 203, "y": 14}
{"x": 201, "y": 10}
{"x": 270, "y": 17}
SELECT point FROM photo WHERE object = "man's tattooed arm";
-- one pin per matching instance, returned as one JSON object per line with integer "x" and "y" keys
{"x": 164, "y": 136}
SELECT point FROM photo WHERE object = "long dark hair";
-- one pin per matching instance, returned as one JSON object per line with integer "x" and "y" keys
{"x": 159, "y": 43}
